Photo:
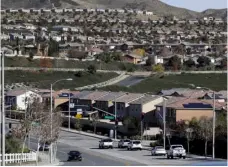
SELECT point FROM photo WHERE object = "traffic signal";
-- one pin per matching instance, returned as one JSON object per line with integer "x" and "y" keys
{"x": 10, "y": 125}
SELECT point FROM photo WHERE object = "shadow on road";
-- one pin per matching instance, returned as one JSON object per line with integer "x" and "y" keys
{"x": 148, "y": 155}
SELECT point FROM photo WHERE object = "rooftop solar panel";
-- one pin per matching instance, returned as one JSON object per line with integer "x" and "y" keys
{"x": 197, "y": 105}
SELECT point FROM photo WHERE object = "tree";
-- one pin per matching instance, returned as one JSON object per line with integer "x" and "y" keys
{"x": 190, "y": 63}
{"x": 116, "y": 56}
{"x": 180, "y": 49}
{"x": 53, "y": 48}
{"x": 158, "y": 68}
{"x": 78, "y": 124}
{"x": 205, "y": 130}
{"x": 91, "y": 69}
{"x": 37, "y": 122}
{"x": 175, "y": 62}
{"x": 203, "y": 61}
{"x": 94, "y": 119}
{"x": 165, "y": 52}
{"x": 223, "y": 63}
{"x": 31, "y": 55}
{"x": 132, "y": 124}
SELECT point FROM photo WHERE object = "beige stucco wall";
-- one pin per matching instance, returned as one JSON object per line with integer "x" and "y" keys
{"x": 59, "y": 101}
{"x": 189, "y": 114}
{"x": 151, "y": 105}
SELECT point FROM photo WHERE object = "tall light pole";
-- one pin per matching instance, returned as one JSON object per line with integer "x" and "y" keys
{"x": 214, "y": 117}
{"x": 68, "y": 79}
{"x": 115, "y": 119}
{"x": 3, "y": 109}
{"x": 164, "y": 121}
{"x": 69, "y": 113}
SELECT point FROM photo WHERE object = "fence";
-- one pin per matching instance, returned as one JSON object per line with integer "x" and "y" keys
{"x": 19, "y": 157}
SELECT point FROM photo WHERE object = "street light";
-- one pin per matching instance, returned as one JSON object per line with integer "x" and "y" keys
{"x": 68, "y": 79}
{"x": 2, "y": 109}
{"x": 214, "y": 117}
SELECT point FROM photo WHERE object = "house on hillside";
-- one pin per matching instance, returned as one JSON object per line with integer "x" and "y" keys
{"x": 20, "y": 99}
{"x": 132, "y": 58}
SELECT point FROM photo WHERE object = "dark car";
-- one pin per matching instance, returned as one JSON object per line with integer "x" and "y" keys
{"x": 44, "y": 146}
{"x": 74, "y": 155}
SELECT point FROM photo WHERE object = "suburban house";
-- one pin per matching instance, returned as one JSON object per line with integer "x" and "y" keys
{"x": 107, "y": 102}
{"x": 132, "y": 58}
{"x": 89, "y": 99}
{"x": 20, "y": 99}
{"x": 75, "y": 99}
{"x": 182, "y": 108}
{"x": 123, "y": 103}
{"x": 220, "y": 96}
{"x": 144, "y": 105}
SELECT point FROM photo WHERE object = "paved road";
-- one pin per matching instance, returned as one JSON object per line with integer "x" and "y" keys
{"x": 131, "y": 80}
{"x": 89, "y": 157}
{"x": 93, "y": 156}
{"x": 89, "y": 145}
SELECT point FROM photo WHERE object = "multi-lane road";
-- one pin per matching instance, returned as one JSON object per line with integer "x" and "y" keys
{"x": 93, "y": 156}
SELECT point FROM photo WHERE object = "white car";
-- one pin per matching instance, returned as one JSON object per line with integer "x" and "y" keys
{"x": 158, "y": 150}
{"x": 123, "y": 143}
{"x": 106, "y": 143}
{"x": 176, "y": 151}
{"x": 134, "y": 145}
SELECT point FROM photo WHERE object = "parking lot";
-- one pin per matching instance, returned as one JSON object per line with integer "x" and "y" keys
{"x": 90, "y": 144}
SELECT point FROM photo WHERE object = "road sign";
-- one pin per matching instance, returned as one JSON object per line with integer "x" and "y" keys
{"x": 109, "y": 117}
{"x": 78, "y": 116}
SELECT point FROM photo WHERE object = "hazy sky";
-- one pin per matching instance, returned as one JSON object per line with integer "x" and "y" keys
{"x": 198, "y": 5}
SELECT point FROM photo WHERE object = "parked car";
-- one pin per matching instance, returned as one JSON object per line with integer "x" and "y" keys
{"x": 158, "y": 150}
{"x": 176, "y": 151}
{"x": 134, "y": 145}
{"x": 123, "y": 143}
{"x": 44, "y": 146}
{"x": 106, "y": 143}
{"x": 74, "y": 155}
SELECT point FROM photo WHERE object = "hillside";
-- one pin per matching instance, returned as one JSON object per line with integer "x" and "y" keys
{"x": 157, "y": 6}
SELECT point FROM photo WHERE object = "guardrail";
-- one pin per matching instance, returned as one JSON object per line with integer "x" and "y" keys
{"x": 19, "y": 157}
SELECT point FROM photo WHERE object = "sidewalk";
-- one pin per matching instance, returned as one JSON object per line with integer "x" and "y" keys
{"x": 45, "y": 161}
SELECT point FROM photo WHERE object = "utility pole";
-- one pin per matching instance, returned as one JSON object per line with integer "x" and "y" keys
{"x": 69, "y": 113}
{"x": 51, "y": 128}
{"x": 164, "y": 121}
{"x": 115, "y": 118}
{"x": 3, "y": 110}
{"x": 214, "y": 117}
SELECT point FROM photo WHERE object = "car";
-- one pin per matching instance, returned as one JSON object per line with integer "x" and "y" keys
{"x": 74, "y": 155}
{"x": 158, "y": 150}
{"x": 134, "y": 145}
{"x": 106, "y": 143}
{"x": 44, "y": 146}
{"x": 176, "y": 151}
{"x": 123, "y": 143}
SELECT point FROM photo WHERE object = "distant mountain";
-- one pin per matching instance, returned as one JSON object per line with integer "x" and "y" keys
{"x": 215, "y": 13}
{"x": 158, "y": 7}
